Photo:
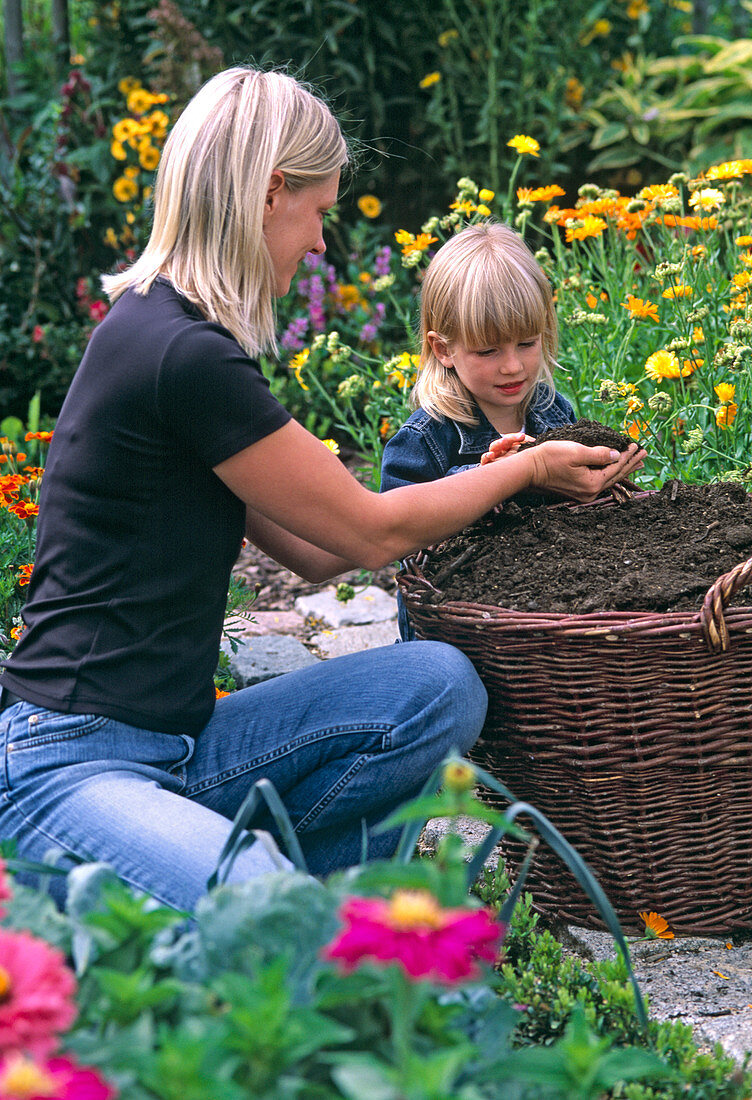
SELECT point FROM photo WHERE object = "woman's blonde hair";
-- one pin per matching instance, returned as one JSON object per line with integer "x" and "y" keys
{"x": 483, "y": 287}
{"x": 207, "y": 236}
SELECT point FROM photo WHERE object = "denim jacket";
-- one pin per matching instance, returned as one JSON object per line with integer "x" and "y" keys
{"x": 426, "y": 449}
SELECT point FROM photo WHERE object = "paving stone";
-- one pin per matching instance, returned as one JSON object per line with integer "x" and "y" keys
{"x": 269, "y": 655}
{"x": 353, "y": 639}
{"x": 266, "y": 622}
{"x": 369, "y": 605}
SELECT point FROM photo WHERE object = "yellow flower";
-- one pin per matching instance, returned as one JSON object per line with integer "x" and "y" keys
{"x": 296, "y": 366}
{"x": 124, "y": 130}
{"x": 656, "y": 927}
{"x": 148, "y": 158}
{"x": 641, "y": 308}
{"x": 139, "y": 101}
{"x": 483, "y": 210}
{"x": 127, "y": 84}
{"x": 580, "y": 228}
{"x": 110, "y": 238}
{"x": 600, "y": 29}
{"x": 725, "y": 391}
{"x": 658, "y": 192}
{"x": 446, "y": 37}
{"x": 524, "y": 145}
{"x": 725, "y": 416}
{"x": 663, "y": 364}
{"x": 369, "y": 206}
{"x": 574, "y": 93}
{"x": 744, "y": 242}
{"x": 698, "y": 336}
{"x": 131, "y": 171}
{"x": 124, "y": 189}
{"x": 488, "y": 196}
{"x": 707, "y": 198}
{"x": 332, "y": 444}
{"x": 678, "y": 291}
{"x": 117, "y": 150}
{"x": 742, "y": 280}
{"x": 157, "y": 123}
{"x": 636, "y": 8}
{"x": 429, "y": 79}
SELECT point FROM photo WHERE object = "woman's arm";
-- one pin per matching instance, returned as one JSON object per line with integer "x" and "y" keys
{"x": 298, "y": 555}
{"x": 292, "y": 479}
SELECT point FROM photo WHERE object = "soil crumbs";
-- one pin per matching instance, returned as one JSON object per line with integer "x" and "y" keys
{"x": 659, "y": 551}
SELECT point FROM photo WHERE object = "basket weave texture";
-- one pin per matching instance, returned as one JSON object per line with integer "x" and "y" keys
{"x": 632, "y": 732}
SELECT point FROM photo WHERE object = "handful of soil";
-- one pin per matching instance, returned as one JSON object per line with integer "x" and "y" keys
{"x": 591, "y": 433}
{"x": 659, "y": 551}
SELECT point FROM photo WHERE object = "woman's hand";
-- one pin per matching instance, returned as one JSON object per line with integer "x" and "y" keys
{"x": 505, "y": 445}
{"x": 581, "y": 473}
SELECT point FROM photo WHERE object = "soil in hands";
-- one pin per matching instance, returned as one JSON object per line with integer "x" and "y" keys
{"x": 658, "y": 551}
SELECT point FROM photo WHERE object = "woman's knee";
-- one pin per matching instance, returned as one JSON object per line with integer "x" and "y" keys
{"x": 452, "y": 679}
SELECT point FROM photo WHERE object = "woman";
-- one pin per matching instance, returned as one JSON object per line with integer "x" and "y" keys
{"x": 168, "y": 449}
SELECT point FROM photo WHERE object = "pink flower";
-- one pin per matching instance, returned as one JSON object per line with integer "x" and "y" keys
{"x": 37, "y": 334}
{"x": 5, "y": 890}
{"x": 21, "y": 1078}
{"x": 97, "y": 310}
{"x": 36, "y": 993}
{"x": 413, "y": 930}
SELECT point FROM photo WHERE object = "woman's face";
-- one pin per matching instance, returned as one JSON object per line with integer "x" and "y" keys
{"x": 293, "y": 224}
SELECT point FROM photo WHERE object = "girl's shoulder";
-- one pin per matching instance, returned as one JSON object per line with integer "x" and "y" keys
{"x": 423, "y": 423}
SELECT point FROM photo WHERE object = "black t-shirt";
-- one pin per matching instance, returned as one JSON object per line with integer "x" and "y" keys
{"x": 137, "y": 536}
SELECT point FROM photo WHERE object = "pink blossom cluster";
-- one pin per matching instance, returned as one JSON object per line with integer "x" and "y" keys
{"x": 36, "y": 1005}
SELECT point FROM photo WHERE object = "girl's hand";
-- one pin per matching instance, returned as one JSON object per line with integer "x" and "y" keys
{"x": 505, "y": 445}
{"x": 581, "y": 473}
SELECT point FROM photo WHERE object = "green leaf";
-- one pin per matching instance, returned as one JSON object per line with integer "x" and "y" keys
{"x": 609, "y": 134}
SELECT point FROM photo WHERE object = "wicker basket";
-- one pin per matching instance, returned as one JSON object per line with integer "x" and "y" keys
{"x": 632, "y": 732}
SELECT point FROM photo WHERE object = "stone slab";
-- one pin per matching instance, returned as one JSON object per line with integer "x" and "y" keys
{"x": 266, "y": 622}
{"x": 369, "y": 605}
{"x": 354, "y": 639}
{"x": 267, "y": 656}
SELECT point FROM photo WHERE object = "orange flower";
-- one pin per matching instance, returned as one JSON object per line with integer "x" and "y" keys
{"x": 218, "y": 694}
{"x": 24, "y": 574}
{"x": 725, "y": 416}
{"x": 656, "y": 927}
{"x": 641, "y": 308}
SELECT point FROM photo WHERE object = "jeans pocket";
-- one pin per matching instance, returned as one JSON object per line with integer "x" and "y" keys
{"x": 34, "y": 726}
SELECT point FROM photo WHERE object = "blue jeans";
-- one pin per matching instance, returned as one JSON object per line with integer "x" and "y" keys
{"x": 343, "y": 742}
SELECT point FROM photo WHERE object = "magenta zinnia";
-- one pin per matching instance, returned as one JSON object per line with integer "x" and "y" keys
{"x": 413, "y": 930}
{"x": 36, "y": 993}
{"x": 21, "y": 1078}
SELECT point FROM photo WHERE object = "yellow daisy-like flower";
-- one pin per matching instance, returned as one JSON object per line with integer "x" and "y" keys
{"x": 110, "y": 238}
{"x": 707, "y": 198}
{"x": 369, "y": 206}
{"x": 139, "y": 101}
{"x": 148, "y": 158}
{"x": 658, "y": 193}
{"x": 744, "y": 241}
{"x": 125, "y": 129}
{"x": 332, "y": 444}
{"x": 656, "y": 926}
{"x": 124, "y": 189}
{"x": 664, "y": 364}
{"x": 488, "y": 196}
{"x": 117, "y": 150}
{"x": 678, "y": 291}
{"x": 725, "y": 416}
{"x": 128, "y": 84}
{"x": 698, "y": 336}
{"x": 524, "y": 145}
{"x": 429, "y": 80}
{"x": 580, "y": 228}
{"x": 641, "y": 308}
{"x": 742, "y": 279}
{"x": 726, "y": 392}
{"x": 296, "y": 366}
{"x": 157, "y": 123}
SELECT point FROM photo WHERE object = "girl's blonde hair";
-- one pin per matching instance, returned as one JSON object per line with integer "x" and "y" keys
{"x": 207, "y": 236}
{"x": 483, "y": 288}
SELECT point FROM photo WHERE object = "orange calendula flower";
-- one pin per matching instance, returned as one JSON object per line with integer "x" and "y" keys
{"x": 707, "y": 198}
{"x": 744, "y": 241}
{"x": 580, "y": 229}
{"x": 641, "y": 308}
{"x": 219, "y": 694}
{"x": 369, "y": 206}
{"x": 674, "y": 221}
{"x": 725, "y": 392}
{"x": 658, "y": 193}
{"x": 743, "y": 279}
{"x": 656, "y": 926}
{"x": 542, "y": 194}
{"x": 678, "y": 291}
{"x": 635, "y": 428}
{"x": 664, "y": 364}
{"x": 524, "y": 145}
{"x": 725, "y": 416}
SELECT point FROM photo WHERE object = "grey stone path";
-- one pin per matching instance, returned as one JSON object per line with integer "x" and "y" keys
{"x": 704, "y": 982}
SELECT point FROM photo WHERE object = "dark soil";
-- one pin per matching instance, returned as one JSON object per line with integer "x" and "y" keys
{"x": 658, "y": 551}
{"x": 589, "y": 432}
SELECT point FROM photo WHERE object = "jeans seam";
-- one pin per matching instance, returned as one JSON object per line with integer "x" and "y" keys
{"x": 332, "y": 793}
{"x": 251, "y": 765}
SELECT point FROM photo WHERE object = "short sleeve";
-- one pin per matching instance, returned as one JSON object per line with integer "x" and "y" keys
{"x": 212, "y": 397}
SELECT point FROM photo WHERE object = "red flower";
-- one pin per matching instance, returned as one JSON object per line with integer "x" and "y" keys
{"x": 36, "y": 993}
{"x": 57, "y": 1079}
{"x": 414, "y": 931}
{"x": 37, "y": 334}
{"x": 97, "y": 310}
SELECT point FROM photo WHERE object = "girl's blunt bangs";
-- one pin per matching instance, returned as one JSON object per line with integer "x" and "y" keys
{"x": 503, "y": 303}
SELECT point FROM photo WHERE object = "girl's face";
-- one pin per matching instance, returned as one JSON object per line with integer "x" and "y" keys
{"x": 293, "y": 224}
{"x": 499, "y": 376}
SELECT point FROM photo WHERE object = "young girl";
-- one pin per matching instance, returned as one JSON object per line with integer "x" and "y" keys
{"x": 489, "y": 341}
{"x": 168, "y": 449}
